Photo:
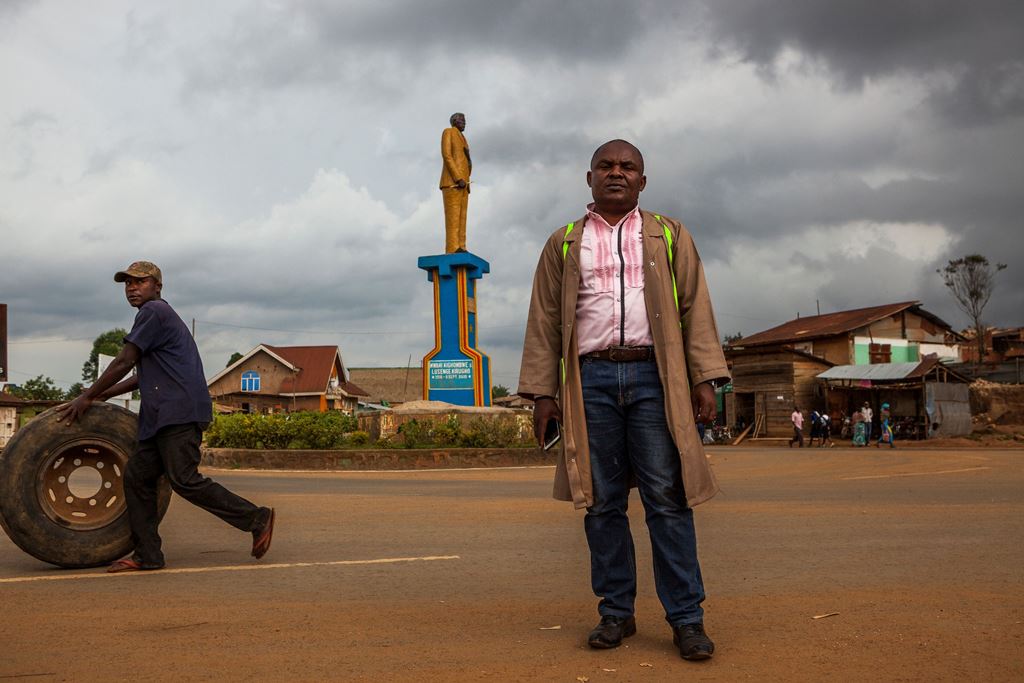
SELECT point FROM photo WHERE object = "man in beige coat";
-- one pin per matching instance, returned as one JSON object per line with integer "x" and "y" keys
{"x": 455, "y": 170}
{"x": 620, "y": 328}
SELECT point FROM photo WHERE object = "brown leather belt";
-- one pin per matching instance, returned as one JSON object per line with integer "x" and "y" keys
{"x": 623, "y": 354}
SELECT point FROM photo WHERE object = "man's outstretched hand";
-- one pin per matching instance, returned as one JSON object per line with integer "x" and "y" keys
{"x": 75, "y": 409}
{"x": 704, "y": 407}
{"x": 545, "y": 409}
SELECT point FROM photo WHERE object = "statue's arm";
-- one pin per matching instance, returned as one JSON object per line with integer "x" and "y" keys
{"x": 448, "y": 155}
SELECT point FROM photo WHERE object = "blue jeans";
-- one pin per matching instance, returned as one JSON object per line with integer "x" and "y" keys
{"x": 629, "y": 439}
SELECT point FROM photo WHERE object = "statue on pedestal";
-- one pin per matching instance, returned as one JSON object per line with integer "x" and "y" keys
{"x": 455, "y": 183}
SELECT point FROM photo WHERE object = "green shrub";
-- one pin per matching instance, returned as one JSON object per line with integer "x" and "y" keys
{"x": 300, "y": 430}
{"x": 333, "y": 430}
{"x": 449, "y": 432}
{"x": 414, "y": 433}
{"x": 358, "y": 438}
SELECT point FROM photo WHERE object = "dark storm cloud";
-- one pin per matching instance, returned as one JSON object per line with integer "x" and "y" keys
{"x": 979, "y": 44}
{"x": 585, "y": 28}
{"x": 10, "y": 9}
{"x": 862, "y": 39}
{"x": 322, "y": 41}
{"x": 504, "y": 141}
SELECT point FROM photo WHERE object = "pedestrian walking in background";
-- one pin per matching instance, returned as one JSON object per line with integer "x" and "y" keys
{"x": 815, "y": 427}
{"x": 826, "y": 430}
{"x": 797, "y": 418}
{"x": 886, "y": 434}
{"x": 860, "y": 434}
{"x": 869, "y": 416}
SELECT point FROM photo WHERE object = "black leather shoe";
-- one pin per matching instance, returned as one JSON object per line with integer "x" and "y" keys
{"x": 610, "y": 632}
{"x": 692, "y": 642}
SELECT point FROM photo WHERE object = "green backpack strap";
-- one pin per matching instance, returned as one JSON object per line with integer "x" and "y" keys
{"x": 671, "y": 261}
{"x": 565, "y": 250}
{"x": 565, "y": 239}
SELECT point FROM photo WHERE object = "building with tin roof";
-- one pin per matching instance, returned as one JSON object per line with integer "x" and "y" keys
{"x": 782, "y": 367}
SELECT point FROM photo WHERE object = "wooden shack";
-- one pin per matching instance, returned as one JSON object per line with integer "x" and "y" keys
{"x": 766, "y": 384}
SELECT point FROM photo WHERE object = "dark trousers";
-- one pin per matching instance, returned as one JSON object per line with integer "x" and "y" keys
{"x": 798, "y": 437}
{"x": 174, "y": 451}
{"x": 629, "y": 440}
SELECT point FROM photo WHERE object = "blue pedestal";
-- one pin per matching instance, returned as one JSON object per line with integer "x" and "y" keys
{"x": 455, "y": 371}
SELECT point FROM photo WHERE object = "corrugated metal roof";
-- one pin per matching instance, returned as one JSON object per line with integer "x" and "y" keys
{"x": 877, "y": 371}
{"x": 829, "y": 324}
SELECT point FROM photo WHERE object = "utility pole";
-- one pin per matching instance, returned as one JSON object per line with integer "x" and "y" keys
{"x": 408, "y": 366}
{"x": 3, "y": 342}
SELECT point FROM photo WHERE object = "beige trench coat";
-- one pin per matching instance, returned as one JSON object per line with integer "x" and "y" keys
{"x": 687, "y": 354}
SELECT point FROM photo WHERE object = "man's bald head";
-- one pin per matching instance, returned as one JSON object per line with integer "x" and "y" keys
{"x": 624, "y": 143}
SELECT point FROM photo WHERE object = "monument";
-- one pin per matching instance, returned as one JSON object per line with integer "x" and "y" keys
{"x": 456, "y": 168}
{"x": 455, "y": 370}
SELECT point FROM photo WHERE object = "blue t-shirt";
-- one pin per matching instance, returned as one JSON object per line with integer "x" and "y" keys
{"x": 171, "y": 380}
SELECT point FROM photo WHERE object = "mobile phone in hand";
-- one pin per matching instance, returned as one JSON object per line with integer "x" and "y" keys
{"x": 552, "y": 434}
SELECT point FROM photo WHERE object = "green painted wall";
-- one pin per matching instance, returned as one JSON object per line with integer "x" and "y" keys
{"x": 900, "y": 354}
{"x": 905, "y": 354}
{"x": 860, "y": 354}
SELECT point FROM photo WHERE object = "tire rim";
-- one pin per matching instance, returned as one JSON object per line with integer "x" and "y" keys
{"x": 81, "y": 484}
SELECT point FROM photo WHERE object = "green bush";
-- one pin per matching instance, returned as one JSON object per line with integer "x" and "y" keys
{"x": 359, "y": 438}
{"x": 301, "y": 430}
{"x": 333, "y": 430}
{"x": 449, "y": 432}
{"x": 415, "y": 433}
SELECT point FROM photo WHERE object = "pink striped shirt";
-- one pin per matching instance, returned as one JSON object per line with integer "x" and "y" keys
{"x": 610, "y": 309}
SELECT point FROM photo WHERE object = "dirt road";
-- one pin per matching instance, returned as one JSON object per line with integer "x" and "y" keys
{"x": 451, "y": 576}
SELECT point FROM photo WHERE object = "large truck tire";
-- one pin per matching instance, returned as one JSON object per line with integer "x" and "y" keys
{"x": 62, "y": 487}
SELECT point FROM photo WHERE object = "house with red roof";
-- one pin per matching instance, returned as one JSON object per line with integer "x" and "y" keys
{"x": 272, "y": 379}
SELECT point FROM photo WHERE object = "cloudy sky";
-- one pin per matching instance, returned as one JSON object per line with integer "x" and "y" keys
{"x": 279, "y": 160}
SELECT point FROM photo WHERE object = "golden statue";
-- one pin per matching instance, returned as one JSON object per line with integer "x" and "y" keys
{"x": 455, "y": 183}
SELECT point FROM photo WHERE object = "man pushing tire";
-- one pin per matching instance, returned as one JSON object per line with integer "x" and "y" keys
{"x": 175, "y": 409}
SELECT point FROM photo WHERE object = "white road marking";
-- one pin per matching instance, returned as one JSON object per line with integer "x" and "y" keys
{"x": 229, "y": 568}
{"x": 915, "y": 474}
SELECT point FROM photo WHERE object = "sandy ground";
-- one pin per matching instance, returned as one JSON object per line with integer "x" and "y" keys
{"x": 479, "y": 575}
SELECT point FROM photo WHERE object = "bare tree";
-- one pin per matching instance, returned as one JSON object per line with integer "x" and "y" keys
{"x": 971, "y": 280}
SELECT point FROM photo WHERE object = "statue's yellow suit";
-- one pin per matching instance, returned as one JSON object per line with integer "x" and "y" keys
{"x": 457, "y": 166}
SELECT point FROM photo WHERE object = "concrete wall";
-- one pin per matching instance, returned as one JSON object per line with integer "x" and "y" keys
{"x": 390, "y": 459}
{"x": 8, "y": 424}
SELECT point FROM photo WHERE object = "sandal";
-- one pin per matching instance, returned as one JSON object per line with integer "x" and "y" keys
{"x": 261, "y": 539}
{"x": 130, "y": 564}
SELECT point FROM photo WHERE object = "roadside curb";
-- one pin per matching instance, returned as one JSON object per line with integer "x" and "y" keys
{"x": 389, "y": 459}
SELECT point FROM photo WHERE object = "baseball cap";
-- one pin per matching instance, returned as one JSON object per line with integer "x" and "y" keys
{"x": 139, "y": 269}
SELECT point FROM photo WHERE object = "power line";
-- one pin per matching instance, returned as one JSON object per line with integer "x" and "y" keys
{"x": 276, "y": 329}
{"x": 339, "y": 332}
{"x": 43, "y": 374}
{"x": 59, "y": 340}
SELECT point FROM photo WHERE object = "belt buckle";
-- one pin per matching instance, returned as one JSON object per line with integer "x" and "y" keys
{"x": 613, "y": 353}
